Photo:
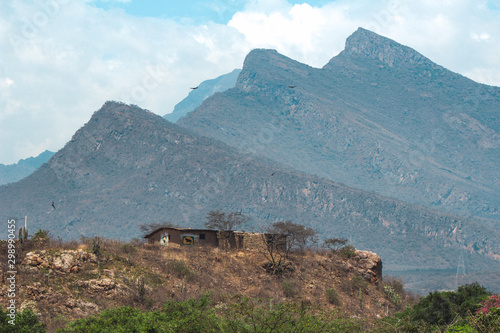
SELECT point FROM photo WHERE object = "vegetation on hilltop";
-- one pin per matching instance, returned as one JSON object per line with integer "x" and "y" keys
{"x": 98, "y": 285}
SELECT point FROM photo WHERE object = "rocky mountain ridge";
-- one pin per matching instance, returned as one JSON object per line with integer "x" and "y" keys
{"x": 128, "y": 167}
{"x": 14, "y": 172}
{"x": 379, "y": 117}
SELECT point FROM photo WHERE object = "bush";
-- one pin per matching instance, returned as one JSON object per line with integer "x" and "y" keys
{"x": 392, "y": 296}
{"x": 333, "y": 297}
{"x": 357, "y": 282}
{"x": 443, "y": 308}
{"x": 25, "y": 322}
{"x": 348, "y": 251}
{"x": 289, "y": 289}
{"x": 180, "y": 269}
{"x": 41, "y": 236}
{"x": 129, "y": 250}
{"x": 201, "y": 315}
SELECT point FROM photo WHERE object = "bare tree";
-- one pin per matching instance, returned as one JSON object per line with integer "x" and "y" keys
{"x": 225, "y": 223}
{"x": 147, "y": 228}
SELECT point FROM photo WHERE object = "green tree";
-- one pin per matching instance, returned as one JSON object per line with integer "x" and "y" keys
{"x": 25, "y": 322}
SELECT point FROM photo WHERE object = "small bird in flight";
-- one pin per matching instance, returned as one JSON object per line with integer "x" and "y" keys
{"x": 193, "y": 88}
{"x": 53, "y": 206}
{"x": 291, "y": 87}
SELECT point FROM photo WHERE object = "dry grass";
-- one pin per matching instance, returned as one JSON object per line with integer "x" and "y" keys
{"x": 156, "y": 274}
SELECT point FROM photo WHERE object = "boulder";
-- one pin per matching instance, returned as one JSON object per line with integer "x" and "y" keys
{"x": 369, "y": 265}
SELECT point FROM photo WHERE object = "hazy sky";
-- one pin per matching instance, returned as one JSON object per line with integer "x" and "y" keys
{"x": 60, "y": 60}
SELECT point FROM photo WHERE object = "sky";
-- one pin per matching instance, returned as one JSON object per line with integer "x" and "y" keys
{"x": 60, "y": 60}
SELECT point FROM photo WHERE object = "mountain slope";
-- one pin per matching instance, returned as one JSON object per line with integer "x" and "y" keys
{"x": 13, "y": 172}
{"x": 197, "y": 96}
{"x": 128, "y": 167}
{"x": 379, "y": 116}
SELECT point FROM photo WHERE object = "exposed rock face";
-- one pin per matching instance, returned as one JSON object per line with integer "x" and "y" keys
{"x": 379, "y": 116}
{"x": 68, "y": 261}
{"x": 367, "y": 44}
{"x": 369, "y": 265}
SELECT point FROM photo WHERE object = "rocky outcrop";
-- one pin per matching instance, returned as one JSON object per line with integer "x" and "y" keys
{"x": 369, "y": 265}
{"x": 67, "y": 261}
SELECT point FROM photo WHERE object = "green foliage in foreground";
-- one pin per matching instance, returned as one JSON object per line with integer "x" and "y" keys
{"x": 202, "y": 315}
{"x": 469, "y": 309}
{"x": 451, "y": 311}
{"x": 25, "y": 322}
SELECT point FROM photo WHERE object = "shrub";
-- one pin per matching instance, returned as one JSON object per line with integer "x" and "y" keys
{"x": 441, "y": 308}
{"x": 129, "y": 250}
{"x": 333, "y": 297}
{"x": 289, "y": 289}
{"x": 25, "y": 322}
{"x": 392, "y": 296}
{"x": 348, "y": 251}
{"x": 357, "y": 282}
{"x": 41, "y": 236}
{"x": 180, "y": 269}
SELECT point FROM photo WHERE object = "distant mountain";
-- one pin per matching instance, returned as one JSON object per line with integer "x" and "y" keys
{"x": 379, "y": 117}
{"x": 128, "y": 167}
{"x": 13, "y": 172}
{"x": 197, "y": 96}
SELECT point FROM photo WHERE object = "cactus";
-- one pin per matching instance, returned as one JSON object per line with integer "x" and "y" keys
{"x": 96, "y": 246}
{"x": 23, "y": 234}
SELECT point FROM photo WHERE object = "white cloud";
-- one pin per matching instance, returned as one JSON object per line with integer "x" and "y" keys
{"x": 66, "y": 58}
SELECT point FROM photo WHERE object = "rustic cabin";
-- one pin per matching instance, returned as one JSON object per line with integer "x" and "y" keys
{"x": 207, "y": 237}
{"x": 183, "y": 236}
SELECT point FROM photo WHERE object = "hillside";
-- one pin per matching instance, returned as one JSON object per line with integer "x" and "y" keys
{"x": 12, "y": 173}
{"x": 127, "y": 167}
{"x": 62, "y": 282}
{"x": 379, "y": 117}
{"x": 197, "y": 96}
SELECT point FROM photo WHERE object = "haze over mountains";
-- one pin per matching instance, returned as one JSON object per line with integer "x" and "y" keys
{"x": 379, "y": 116}
{"x": 347, "y": 122}
{"x": 13, "y": 172}
{"x": 203, "y": 91}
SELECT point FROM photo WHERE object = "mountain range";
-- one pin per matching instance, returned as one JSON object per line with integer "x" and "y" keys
{"x": 379, "y": 116}
{"x": 13, "y": 172}
{"x": 251, "y": 149}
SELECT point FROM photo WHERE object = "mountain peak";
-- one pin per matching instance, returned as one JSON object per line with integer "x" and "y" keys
{"x": 367, "y": 44}
{"x": 262, "y": 66}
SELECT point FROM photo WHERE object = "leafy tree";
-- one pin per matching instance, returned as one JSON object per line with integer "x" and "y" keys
{"x": 281, "y": 238}
{"x": 298, "y": 236}
{"x": 442, "y": 308}
{"x": 335, "y": 244}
